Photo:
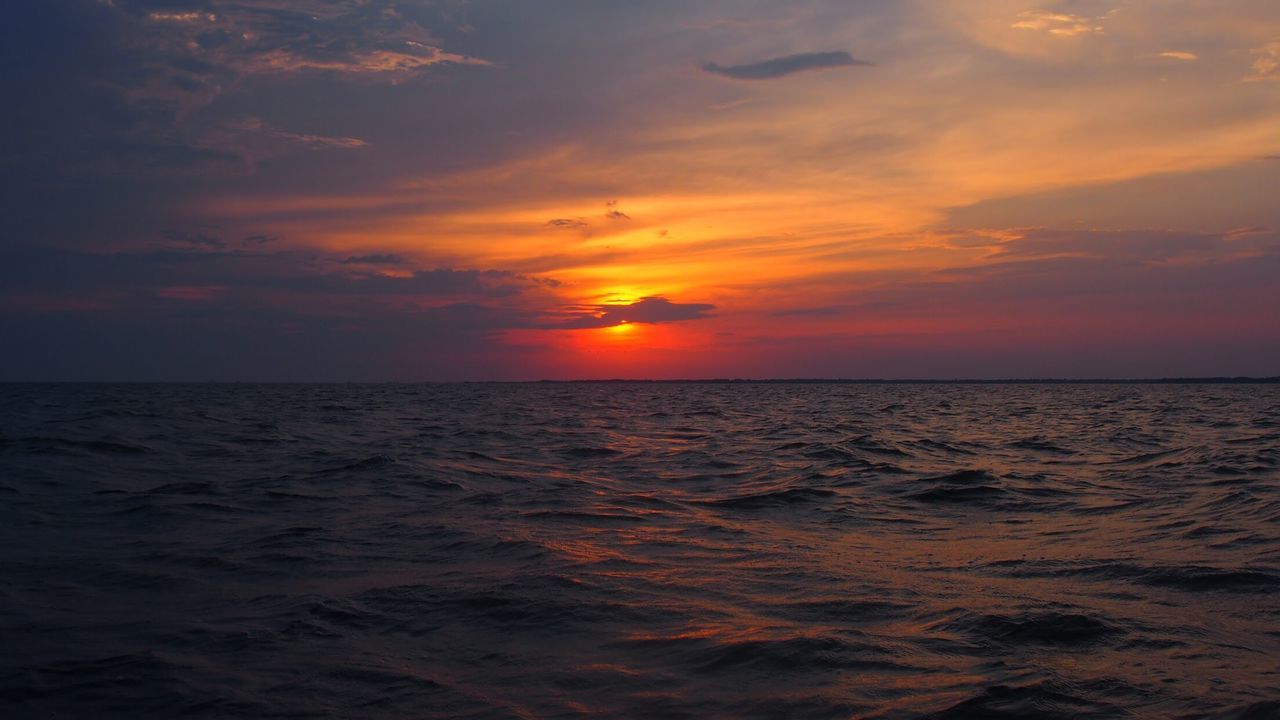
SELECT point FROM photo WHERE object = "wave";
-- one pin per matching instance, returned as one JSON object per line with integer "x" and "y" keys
{"x": 556, "y": 551}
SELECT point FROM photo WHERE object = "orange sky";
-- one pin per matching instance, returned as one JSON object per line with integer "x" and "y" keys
{"x": 832, "y": 188}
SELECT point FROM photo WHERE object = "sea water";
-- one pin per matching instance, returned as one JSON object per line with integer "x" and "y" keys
{"x": 640, "y": 550}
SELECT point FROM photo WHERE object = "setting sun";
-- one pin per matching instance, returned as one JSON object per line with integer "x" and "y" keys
{"x": 894, "y": 360}
{"x": 1079, "y": 189}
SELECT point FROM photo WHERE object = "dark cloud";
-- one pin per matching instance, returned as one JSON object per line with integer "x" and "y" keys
{"x": 613, "y": 213}
{"x": 649, "y": 310}
{"x": 195, "y": 314}
{"x": 374, "y": 259}
{"x": 189, "y": 341}
{"x": 257, "y": 240}
{"x": 196, "y": 239}
{"x": 476, "y": 284}
{"x": 655, "y": 310}
{"x": 198, "y": 313}
{"x": 122, "y": 277}
{"x": 123, "y": 87}
{"x": 786, "y": 65}
{"x": 568, "y": 223}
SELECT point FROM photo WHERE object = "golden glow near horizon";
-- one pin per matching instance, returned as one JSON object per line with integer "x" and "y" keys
{"x": 820, "y": 179}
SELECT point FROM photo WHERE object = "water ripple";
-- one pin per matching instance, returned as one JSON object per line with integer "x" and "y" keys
{"x": 640, "y": 550}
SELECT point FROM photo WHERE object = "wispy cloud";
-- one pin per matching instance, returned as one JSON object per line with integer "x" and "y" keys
{"x": 1060, "y": 24}
{"x": 1179, "y": 55}
{"x": 247, "y": 278}
{"x": 785, "y": 65}
{"x": 194, "y": 239}
{"x": 1266, "y": 63}
{"x": 372, "y": 63}
{"x": 251, "y": 141}
{"x": 180, "y": 17}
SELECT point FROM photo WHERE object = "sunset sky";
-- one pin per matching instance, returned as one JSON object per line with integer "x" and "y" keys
{"x": 418, "y": 190}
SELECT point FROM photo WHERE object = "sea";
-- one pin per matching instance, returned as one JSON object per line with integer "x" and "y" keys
{"x": 640, "y": 550}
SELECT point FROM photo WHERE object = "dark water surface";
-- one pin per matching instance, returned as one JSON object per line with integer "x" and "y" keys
{"x": 664, "y": 551}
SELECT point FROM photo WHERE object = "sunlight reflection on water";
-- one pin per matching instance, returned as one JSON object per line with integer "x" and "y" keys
{"x": 640, "y": 550}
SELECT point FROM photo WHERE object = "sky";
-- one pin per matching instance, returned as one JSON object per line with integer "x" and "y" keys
{"x": 368, "y": 190}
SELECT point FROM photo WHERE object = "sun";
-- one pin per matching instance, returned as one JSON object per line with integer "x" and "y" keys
{"x": 622, "y": 328}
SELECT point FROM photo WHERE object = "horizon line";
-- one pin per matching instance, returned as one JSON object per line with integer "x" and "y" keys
{"x": 1198, "y": 380}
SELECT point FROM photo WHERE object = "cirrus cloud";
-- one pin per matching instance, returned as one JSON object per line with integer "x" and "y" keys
{"x": 1060, "y": 24}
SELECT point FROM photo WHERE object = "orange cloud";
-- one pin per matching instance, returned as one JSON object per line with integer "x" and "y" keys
{"x": 1060, "y": 24}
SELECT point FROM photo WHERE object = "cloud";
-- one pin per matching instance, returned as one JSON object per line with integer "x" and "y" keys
{"x": 145, "y": 78}
{"x": 1060, "y": 24}
{"x": 649, "y": 310}
{"x": 369, "y": 39}
{"x": 1097, "y": 282}
{"x": 196, "y": 239}
{"x": 1266, "y": 63}
{"x": 654, "y": 310}
{"x": 1179, "y": 55}
{"x": 191, "y": 57}
{"x": 1117, "y": 246}
{"x": 293, "y": 278}
{"x": 372, "y": 63}
{"x": 613, "y": 213}
{"x": 198, "y": 314}
{"x": 252, "y": 126}
{"x": 182, "y": 17}
{"x": 283, "y": 315}
{"x": 785, "y": 65}
{"x": 374, "y": 259}
{"x": 250, "y": 141}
